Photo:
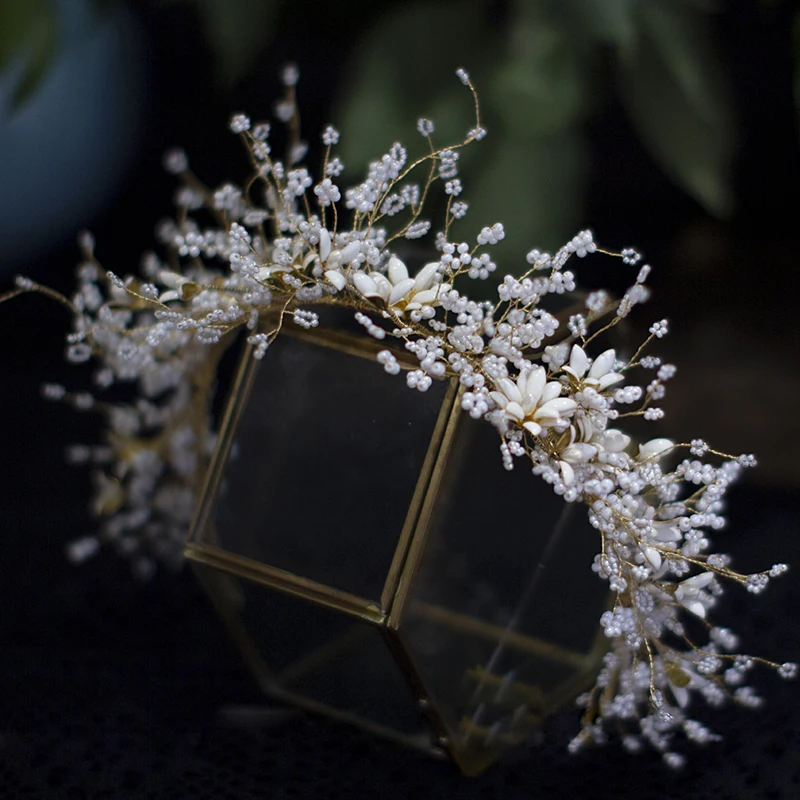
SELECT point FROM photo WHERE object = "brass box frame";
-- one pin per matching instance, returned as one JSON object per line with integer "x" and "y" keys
{"x": 214, "y": 566}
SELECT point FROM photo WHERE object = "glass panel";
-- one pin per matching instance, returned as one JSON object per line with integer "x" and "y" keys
{"x": 325, "y": 462}
{"x": 502, "y": 617}
{"x": 299, "y": 649}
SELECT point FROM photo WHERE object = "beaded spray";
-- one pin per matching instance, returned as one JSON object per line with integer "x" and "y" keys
{"x": 284, "y": 244}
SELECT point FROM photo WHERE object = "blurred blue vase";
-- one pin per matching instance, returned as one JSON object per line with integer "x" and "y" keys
{"x": 66, "y": 148}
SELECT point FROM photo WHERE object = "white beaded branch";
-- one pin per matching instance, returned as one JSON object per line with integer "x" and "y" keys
{"x": 284, "y": 244}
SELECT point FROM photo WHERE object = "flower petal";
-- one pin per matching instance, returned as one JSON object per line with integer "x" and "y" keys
{"x": 609, "y": 379}
{"x": 615, "y": 441}
{"x": 424, "y": 277}
{"x": 550, "y": 392}
{"x": 510, "y": 390}
{"x": 324, "y": 245}
{"x": 695, "y": 606}
{"x": 514, "y": 410}
{"x": 532, "y": 427}
{"x": 264, "y": 273}
{"x": 681, "y": 693}
{"x": 383, "y": 284}
{"x": 697, "y": 581}
{"x": 349, "y": 252}
{"x": 585, "y": 427}
{"x": 531, "y": 386}
{"x": 555, "y": 409}
{"x": 578, "y": 361}
{"x": 172, "y": 279}
{"x": 365, "y": 284}
{"x": 336, "y": 278}
{"x": 400, "y": 290}
{"x": 578, "y": 453}
{"x": 500, "y": 400}
{"x": 654, "y": 448}
{"x": 426, "y": 298}
{"x": 668, "y": 533}
{"x": 397, "y": 270}
{"x": 602, "y": 364}
{"x": 653, "y": 557}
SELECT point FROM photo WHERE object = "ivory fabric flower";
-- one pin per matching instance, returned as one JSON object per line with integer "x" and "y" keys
{"x": 175, "y": 282}
{"x": 681, "y": 679}
{"x": 654, "y": 449}
{"x": 336, "y": 260}
{"x": 610, "y": 440}
{"x": 600, "y": 375}
{"x": 399, "y": 291}
{"x": 575, "y": 453}
{"x": 581, "y": 452}
{"x": 691, "y": 596}
{"x": 267, "y": 272}
{"x": 532, "y": 402}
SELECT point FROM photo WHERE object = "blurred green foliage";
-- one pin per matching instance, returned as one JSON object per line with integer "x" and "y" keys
{"x": 28, "y": 43}
{"x": 544, "y": 69}
{"x": 543, "y": 72}
{"x": 676, "y": 94}
{"x": 237, "y": 31}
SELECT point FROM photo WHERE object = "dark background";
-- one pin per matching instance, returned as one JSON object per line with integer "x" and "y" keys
{"x": 111, "y": 688}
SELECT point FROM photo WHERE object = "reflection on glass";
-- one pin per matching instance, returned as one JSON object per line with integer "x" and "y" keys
{"x": 500, "y": 621}
{"x": 325, "y": 462}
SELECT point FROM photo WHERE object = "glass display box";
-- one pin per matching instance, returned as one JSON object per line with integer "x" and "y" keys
{"x": 375, "y": 562}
